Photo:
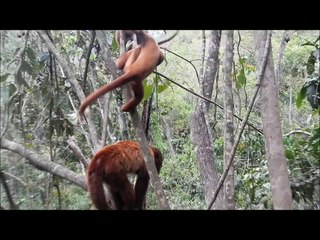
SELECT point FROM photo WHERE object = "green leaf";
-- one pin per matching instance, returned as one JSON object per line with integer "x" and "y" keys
{"x": 289, "y": 154}
{"x": 114, "y": 45}
{"x": 164, "y": 84}
{"x": 301, "y": 95}
{"x": 93, "y": 56}
{"x": 31, "y": 55}
{"x": 4, "y": 77}
{"x": 162, "y": 87}
{"x": 26, "y": 67}
{"x": 20, "y": 80}
{"x": 147, "y": 91}
{"x": 242, "y": 60}
{"x": 29, "y": 136}
{"x": 241, "y": 79}
{"x": 250, "y": 67}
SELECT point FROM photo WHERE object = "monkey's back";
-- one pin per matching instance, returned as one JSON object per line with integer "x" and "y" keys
{"x": 121, "y": 156}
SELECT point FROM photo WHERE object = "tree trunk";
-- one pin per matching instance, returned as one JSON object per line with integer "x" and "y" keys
{"x": 277, "y": 164}
{"x": 201, "y": 134}
{"x": 228, "y": 122}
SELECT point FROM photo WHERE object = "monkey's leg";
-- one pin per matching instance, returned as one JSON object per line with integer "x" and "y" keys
{"x": 121, "y": 190}
{"x": 137, "y": 89}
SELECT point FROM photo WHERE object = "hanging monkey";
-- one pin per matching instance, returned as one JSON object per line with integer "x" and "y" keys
{"x": 137, "y": 65}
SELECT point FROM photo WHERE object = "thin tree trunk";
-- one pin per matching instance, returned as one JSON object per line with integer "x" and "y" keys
{"x": 201, "y": 134}
{"x": 212, "y": 65}
{"x": 167, "y": 134}
{"x": 290, "y": 106}
{"x": 277, "y": 164}
{"x": 228, "y": 121}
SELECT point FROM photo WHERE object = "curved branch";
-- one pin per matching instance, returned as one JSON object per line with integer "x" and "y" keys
{"x": 190, "y": 62}
{"x": 43, "y": 163}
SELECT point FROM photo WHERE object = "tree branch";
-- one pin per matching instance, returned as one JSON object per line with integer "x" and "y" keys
{"x": 77, "y": 151}
{"x": 43, "y": 163}
{"x": 12, "y": 204}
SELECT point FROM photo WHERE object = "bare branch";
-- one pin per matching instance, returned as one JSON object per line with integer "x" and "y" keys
{"x": 77, "y": 151}
{"x": 43, "y": 163}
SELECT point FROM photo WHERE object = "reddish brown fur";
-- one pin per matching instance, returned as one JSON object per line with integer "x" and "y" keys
{"x": 111, "y": 166}
{"x": 137, "y": 65}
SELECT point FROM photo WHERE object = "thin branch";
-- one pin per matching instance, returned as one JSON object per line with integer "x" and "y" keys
{"x": 77, "y": 151}
{"x": 15, "y": 178}
{"x": 195, "y": 69}
{"x": 7, "y": 109}
{"x": 81, "y": 123}
{"x": 207, "y": 99}
{"x": 237, "y": 139}
{"x": 297, "y": 131}
{"x": 12, "y": 204}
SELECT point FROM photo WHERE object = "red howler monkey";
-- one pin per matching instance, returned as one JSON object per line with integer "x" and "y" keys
{"x": 137, "y": 64}
{"x": 111, "y": 165}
